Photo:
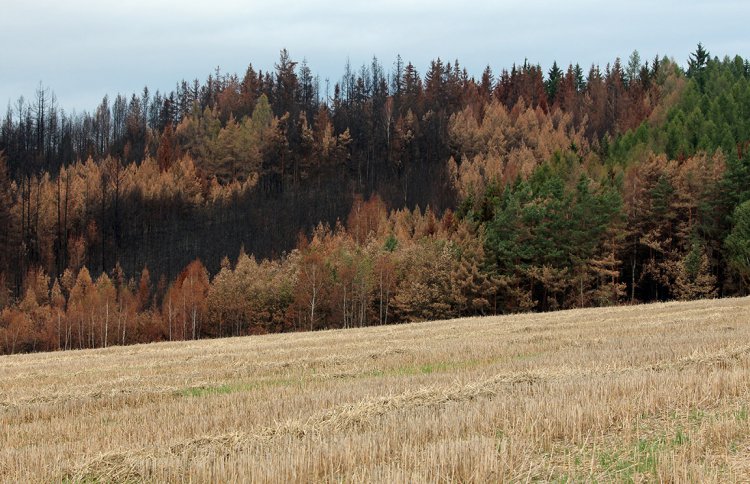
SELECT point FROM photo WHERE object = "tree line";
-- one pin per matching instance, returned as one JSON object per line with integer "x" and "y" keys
{"x": 538, "y": 192}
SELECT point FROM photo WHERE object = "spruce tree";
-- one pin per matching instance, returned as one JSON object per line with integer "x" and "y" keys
{"x": 552, "y": 84}
{"x": 737, "y": 244}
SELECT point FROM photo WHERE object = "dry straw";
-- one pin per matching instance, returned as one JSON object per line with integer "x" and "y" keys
{"x": 645, "y": 393}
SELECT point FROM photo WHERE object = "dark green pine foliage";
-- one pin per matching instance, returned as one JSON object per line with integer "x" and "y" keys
{"x": 697, "y": 64}
{"x": 712, "y": 112}
{"x": 738, "y": 245}
{"x": 580, "y": 80}
{"x": 544, "y": 231}
{"x": 552, "y": 84}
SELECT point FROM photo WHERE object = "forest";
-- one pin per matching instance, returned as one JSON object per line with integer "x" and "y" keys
{"x": 268, "y": 202}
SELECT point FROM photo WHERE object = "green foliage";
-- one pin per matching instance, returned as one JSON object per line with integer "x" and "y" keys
{"x": 624, "y": 149}
{"x": 712, "y": 112}
{"x": 234, "y": 151}
{"x": 427, "y": 289}
{"x": 262, "y": 115}
{"x": 391, "y": 243}
{"x": 633, "y": 69}
{"x": 738, "y": 242}
{"x": 742, "y": 414}
{"x": 552, "y": 83}
{"x": 697, "y": 63}
{"x": 642, "y": 459}
{"x": 543, "y": 230}
{"x": 735, "y": 188}
{"x": 693, "y": 278}
{"x": 227, "y": 388}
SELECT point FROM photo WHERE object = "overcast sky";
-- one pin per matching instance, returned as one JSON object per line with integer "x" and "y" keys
{"x": 84, "y": 49}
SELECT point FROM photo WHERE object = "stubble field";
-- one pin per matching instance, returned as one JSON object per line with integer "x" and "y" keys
{"x": 642, "y": 393}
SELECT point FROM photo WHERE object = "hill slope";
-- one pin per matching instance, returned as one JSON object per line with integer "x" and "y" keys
{"x": 658, "y": 392}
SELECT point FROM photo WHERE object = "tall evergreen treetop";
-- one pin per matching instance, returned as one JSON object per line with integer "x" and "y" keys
{"x": 697, "y": 61}
{"x": 634, "y": 68}
{"x": 552, "y": 83}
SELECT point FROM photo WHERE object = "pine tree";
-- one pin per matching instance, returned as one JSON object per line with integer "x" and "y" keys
{"x": 552, "y": 84}
{"x": 738, "y": 245}
{"x": 693, "y": 278}
{"x": 486, "y": 84}
{"x": 697, "y": 61}
{"x": 633, "y": 69}
{"x": 286, "y": 86}
{"x": 697, "y": 66}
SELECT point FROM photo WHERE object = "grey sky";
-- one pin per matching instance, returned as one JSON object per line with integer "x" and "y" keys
{"x": 84, "y": 49}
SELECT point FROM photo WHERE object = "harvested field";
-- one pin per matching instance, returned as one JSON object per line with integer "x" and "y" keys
{"x": 643, "y": 393}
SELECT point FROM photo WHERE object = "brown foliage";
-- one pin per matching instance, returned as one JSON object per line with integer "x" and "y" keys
{"x": 185, "y": 302}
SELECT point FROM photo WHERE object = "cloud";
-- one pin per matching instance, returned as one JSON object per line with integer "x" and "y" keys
{"x": 83, "y": 49}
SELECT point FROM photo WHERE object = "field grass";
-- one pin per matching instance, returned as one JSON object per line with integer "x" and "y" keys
{"x": 644, "y": 393}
